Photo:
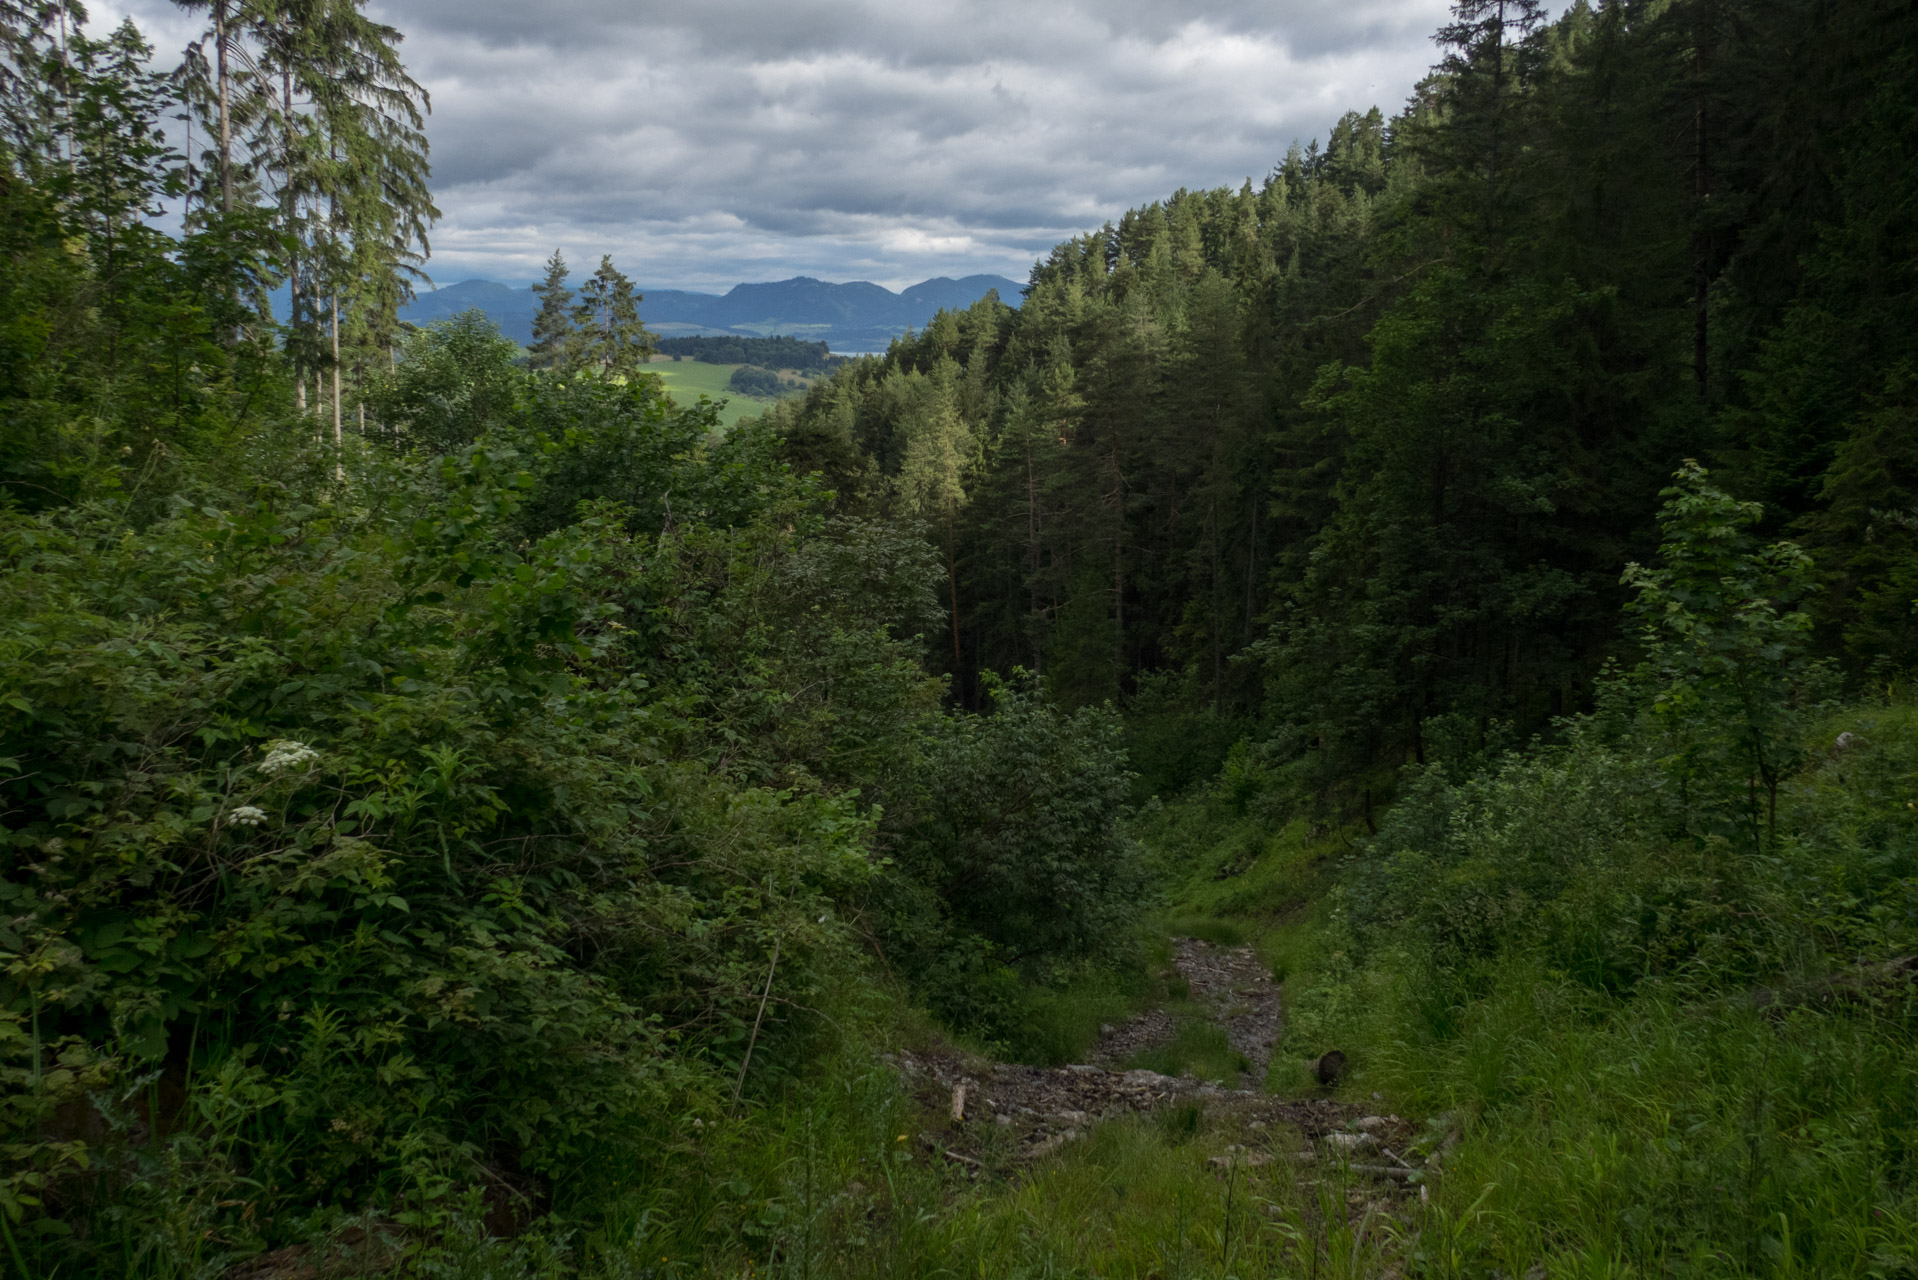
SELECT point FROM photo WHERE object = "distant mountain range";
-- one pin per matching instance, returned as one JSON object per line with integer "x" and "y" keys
{"x": 855, "y": 317}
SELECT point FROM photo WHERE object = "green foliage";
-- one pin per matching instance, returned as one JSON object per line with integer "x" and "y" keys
{"x": 1727, "y": 652}
{"x": 1660, "y": 1051}
{"x": 749, "y": 380}
{"x": 116, "y": 341}
{"x": 450, "y": 383}
{"x": 1354, "y": 457}
{"x": 1014, "y": 854}
{"x": 607, "y": 335}
{"x": 553, "y": 325}
{"x": 536, "y": 807}
{"x": 767, "y": 353}
{"x": 477, "y": 803}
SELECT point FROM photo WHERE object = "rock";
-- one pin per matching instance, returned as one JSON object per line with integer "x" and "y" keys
{"x": 1148, "y": 1079}
{"x": 1350, "y": 1141}
{"x": 1371, "y": 1124}
{"x": 1052, "y": 1144}
{"x": 1244, "y": 1160}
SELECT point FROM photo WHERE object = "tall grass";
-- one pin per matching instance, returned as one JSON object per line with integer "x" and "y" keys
{"x": 1740, "y": 1100}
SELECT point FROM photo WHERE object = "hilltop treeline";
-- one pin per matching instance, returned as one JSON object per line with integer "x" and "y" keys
{"x": 768, "y": 353}
{"x": 1358, "y": 455}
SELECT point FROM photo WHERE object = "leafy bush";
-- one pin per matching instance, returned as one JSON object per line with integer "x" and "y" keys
{"x": 1645, "y": 844}
{"x": 1656, "y": 976}
{"x": 412, "y": 825}
{"x": 750, "y": 381}
{"x": 451, "y": 382}
{"x": 1013, "y": 857}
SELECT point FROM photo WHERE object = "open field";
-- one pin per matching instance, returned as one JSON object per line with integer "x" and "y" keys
{"x": 687, "y": 380}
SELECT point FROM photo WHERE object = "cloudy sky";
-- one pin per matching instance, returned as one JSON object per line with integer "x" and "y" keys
{"x": 706, "y": 142}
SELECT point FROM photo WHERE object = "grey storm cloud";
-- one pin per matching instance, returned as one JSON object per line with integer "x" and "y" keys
{"x": 724, "y": 140}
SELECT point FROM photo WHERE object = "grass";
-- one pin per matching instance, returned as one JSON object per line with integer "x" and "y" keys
{"x": 839, "y": 1183}
{"x": 1198, "y": 1048}
{"x": 1665, "y": 1129}
{"x": 687, "y": 380}
{"x": 1586, "y": 1133}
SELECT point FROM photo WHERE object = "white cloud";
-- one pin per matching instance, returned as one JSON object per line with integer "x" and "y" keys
{"x": 725, "y": 140}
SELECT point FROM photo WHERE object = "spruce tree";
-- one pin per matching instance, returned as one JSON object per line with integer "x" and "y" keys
{"x": 606, "y": 319}
{"x": 553, "y": 336}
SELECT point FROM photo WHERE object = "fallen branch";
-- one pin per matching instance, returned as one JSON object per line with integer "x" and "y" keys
{"x": 753, "y": 1039}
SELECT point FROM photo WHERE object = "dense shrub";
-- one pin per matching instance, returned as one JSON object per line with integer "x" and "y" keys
{"x": 1015, "y": 857}
{"x": 400, "y": 821}
{"x": 750, "y": 381}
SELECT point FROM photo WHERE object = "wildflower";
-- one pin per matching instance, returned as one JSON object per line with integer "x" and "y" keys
{"x": 283, "y": 754}
{"x": 248, "y": 815}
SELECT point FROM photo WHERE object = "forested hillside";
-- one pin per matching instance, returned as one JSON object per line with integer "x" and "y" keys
{"x": 1359, "y": 455}
{"x": 1360, "y": 731}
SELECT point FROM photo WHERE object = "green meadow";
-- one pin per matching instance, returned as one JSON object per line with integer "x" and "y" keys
{"x": 687, "y": 380}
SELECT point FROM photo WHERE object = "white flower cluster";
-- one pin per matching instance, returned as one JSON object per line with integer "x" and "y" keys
{"x": 283, "y": 754}
{"x": 247, "y": 815}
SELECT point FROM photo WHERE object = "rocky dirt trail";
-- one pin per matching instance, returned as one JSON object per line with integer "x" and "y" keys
{"x": 1235, "y": 989}
{"x": 999, "y": 1114}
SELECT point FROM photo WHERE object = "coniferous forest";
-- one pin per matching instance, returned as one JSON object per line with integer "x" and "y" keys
{"x": 1362, "y": 730}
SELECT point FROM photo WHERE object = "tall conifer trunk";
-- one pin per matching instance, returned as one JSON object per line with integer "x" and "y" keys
{"x": 226, "y": 129}
{"x": 1032, "y": 553}
{"x": 338, "y": 436}
{"x": 291, "y": 201}
{"x": 1118, "y": 561}
{"x": 952, "y": 585}
{"x": 1702, "y": 32}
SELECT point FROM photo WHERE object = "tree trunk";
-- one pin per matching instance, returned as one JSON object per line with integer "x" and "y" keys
{"x": 338, "y": 436}
{"x": 1032, "y": 553}
{"x": 1118, "y": 563}
{"x": 290, "y": 200}
{"x": 1701, "y": 197}
{"x": 1251, "y": 565}
{"x": 226, "y": 132}
{"x": 952, "y": 585}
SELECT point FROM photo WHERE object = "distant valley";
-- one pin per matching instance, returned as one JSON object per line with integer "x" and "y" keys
{"x": 851, "y": 318}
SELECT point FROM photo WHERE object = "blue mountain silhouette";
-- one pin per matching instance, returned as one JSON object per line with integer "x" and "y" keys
{"x": 852, "y": 317}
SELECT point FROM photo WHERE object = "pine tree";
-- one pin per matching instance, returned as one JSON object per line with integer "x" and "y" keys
{"x": 553, "y": 336}
{"x": 315, "y": 101}
{"x": 606, "y": 319}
